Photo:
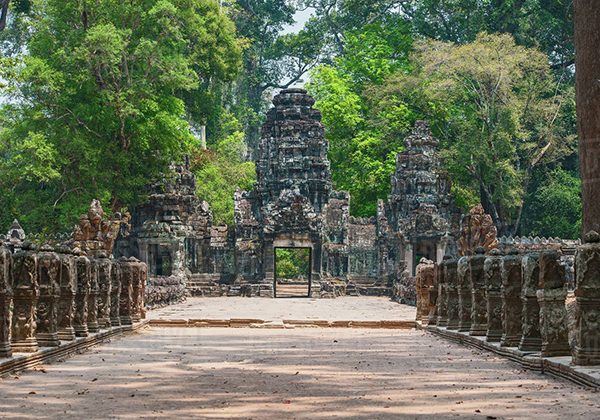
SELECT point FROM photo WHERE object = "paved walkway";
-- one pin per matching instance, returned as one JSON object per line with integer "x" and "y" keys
{"x": 341, "y": 309}
{"x": 285, "y": 374}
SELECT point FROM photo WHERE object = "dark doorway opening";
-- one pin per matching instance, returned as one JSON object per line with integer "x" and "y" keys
{"x": 293, "y": 268}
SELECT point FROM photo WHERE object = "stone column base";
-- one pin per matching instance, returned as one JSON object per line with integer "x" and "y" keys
{"x": 510, "y": 341}
{"x": 586, "y": 357}
{"x": 479, "y": 330}
{"x": 556, "y": 350}
{"x": 28, "y": 345}
{"x": 48, "y": 340}
{"x": 530, "y": 344}
{"x": 5, "y": 350}
{"x": 66, "y": 334}
{"x": 81, "y": 330}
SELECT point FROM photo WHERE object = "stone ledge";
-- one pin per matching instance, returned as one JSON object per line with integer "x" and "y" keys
{"x": 560, "y": 367}
{"x": 22, "y": 361}
{"x": 256, "y": 323}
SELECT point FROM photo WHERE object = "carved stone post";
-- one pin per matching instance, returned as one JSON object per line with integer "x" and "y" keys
{"x": 551, "y": 295}
{"x": 144, "y": 280}
{"x": 92, "y": 321}
{"x": 137, "y": 290}
{"x": 6, "y": 298}
{"x": 442, "y": 300}
{"x": 81, "y": 298}
{"x": 452, "y": 292}
{"x": 126, "y": 298}
{"x": 425, "y": 280}
{"x": 531, "y": 340}
{"x": 493, "y": 282}
{"x": 68, "y": 290}
{"x": 512, "y": 306}
{"x": 26, "y": 291}
{"x": 587, "y": 349}
{"x": 479, "y": 304}
{"x": 104, "y": 285}
{"x": 433, "y": 296}
{"x": 115, "y": 293}
{"x": 465, "y": 296}
{"x": 49, "y": 266}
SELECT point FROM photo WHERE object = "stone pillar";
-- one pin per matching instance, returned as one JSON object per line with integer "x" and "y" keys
{"x": 68, "y": 290}
{"x": 493, "y": 283}
{"x": 144, "y": 280}
{"x": 126, "y": 297}
{"x": 104, "y": 290}
{"x": 433, "y": 296}
{"x": 115, "y": 293}
{"x": 26, "y": 291}
{"x": 452, "y": 292}
{"x": 552, "y": 294}
{"x": 531, "y": 340}
{"x": 587, "y": 349}
{"x": 442, "y": 301}
{"x": 49, "y": 267}
{"x": 6, "y": 298}
{"x": 80, "y": 322}
{"x": 137, "y": 290}
{"x": 479, "y": 303}
{"x": 92, "y": 321}
{"x": 512, "y": 306}
{"x": 465, "y": 295}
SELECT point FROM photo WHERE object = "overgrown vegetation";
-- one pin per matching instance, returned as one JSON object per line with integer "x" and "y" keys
{"x": 98, "y": 97}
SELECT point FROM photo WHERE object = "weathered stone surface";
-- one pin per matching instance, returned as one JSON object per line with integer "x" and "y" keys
{"x": 126, "y": 298}
{"x": 84, "y": 274}
{"x": 137, "y": 288}
{"x": 68, "y": 290}
{"x": 115, "y": 293}
{"x": 477, "y": 230}
{"x": 6, "y": 298}
{"x": 442, "y": 301}
{"x": 16, "y": 235}
{"x": 49, "y": 267}
{"x": 493, "y": 282}
{"x": 92, "y": 316}
{"x": 104, "y": 289}
{"x": 26, "y": 291}
{"x": 95, "y": 235}
{"x": 465, "y": 296}
{"x": 425, "y": 281}
{"x": 479, "y": 302}
{"x": 512, "y": 306}
{"x": 451, "y": 275}
{"x": 531, "y": 339}
{"x": 551, "y": 294}
{"x": 587, "y": 330}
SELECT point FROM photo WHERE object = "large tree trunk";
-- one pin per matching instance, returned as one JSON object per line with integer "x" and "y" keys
{"x": 3, "y": 13}
{"x": 587, "y": 40}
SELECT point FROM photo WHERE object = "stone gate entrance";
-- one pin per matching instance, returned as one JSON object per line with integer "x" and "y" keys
{"x": 294, "y": 204}
{"x": 297, "y": 284}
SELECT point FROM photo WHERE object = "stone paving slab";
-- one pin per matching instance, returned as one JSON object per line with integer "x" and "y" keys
{"x": 264, "y": 310}
{"x": 286, "y": 374}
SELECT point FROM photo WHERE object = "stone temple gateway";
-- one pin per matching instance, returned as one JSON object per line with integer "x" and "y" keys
{"x": 294, "y": 205}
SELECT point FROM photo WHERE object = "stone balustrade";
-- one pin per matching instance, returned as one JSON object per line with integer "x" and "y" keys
{"x": 519, "y": 300}
{"x": 50, "y": 296}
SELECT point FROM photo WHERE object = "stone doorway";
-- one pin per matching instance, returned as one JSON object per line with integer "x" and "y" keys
{"x": 293, "y": 272}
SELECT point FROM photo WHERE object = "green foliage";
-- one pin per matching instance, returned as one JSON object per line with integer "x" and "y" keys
{"x": 102, "y": 101}
{"x": 496, "y": 107}
{"x": 364, "y": 134}
{"x": 220, "y": 171}
{"x": 292, "y": 263}
{"x": 555, "y": 208}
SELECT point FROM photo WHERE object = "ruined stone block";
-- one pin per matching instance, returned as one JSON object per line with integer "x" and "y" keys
{"x": 493, "y": 282}
{"x": 26, "y": 291}
{"x": 49, "y": 268}
{"x": 531, "y": 339}
{"x": 478, "y": 302}
{"x": 465, "y": 295}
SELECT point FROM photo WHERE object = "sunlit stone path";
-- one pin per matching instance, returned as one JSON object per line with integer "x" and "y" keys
{"x": 294, "y": 373}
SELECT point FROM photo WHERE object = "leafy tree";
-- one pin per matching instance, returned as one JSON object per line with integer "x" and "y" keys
{"x": 292, "y": 263}
{"x": 102, "y": 99}
{"x": 554, "y": 209}
{"x": 364, "y": 135}
{"x": 221, "y": 170}
{"x": 273, "y": 59}
{"x": 499, "y": 112}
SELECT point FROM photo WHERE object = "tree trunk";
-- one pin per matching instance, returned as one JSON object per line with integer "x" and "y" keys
{"x": 3, "y": 13}
{"x": 587, "y": 40}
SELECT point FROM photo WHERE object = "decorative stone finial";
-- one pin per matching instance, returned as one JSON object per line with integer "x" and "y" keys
{"x": 592, "y": 237}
